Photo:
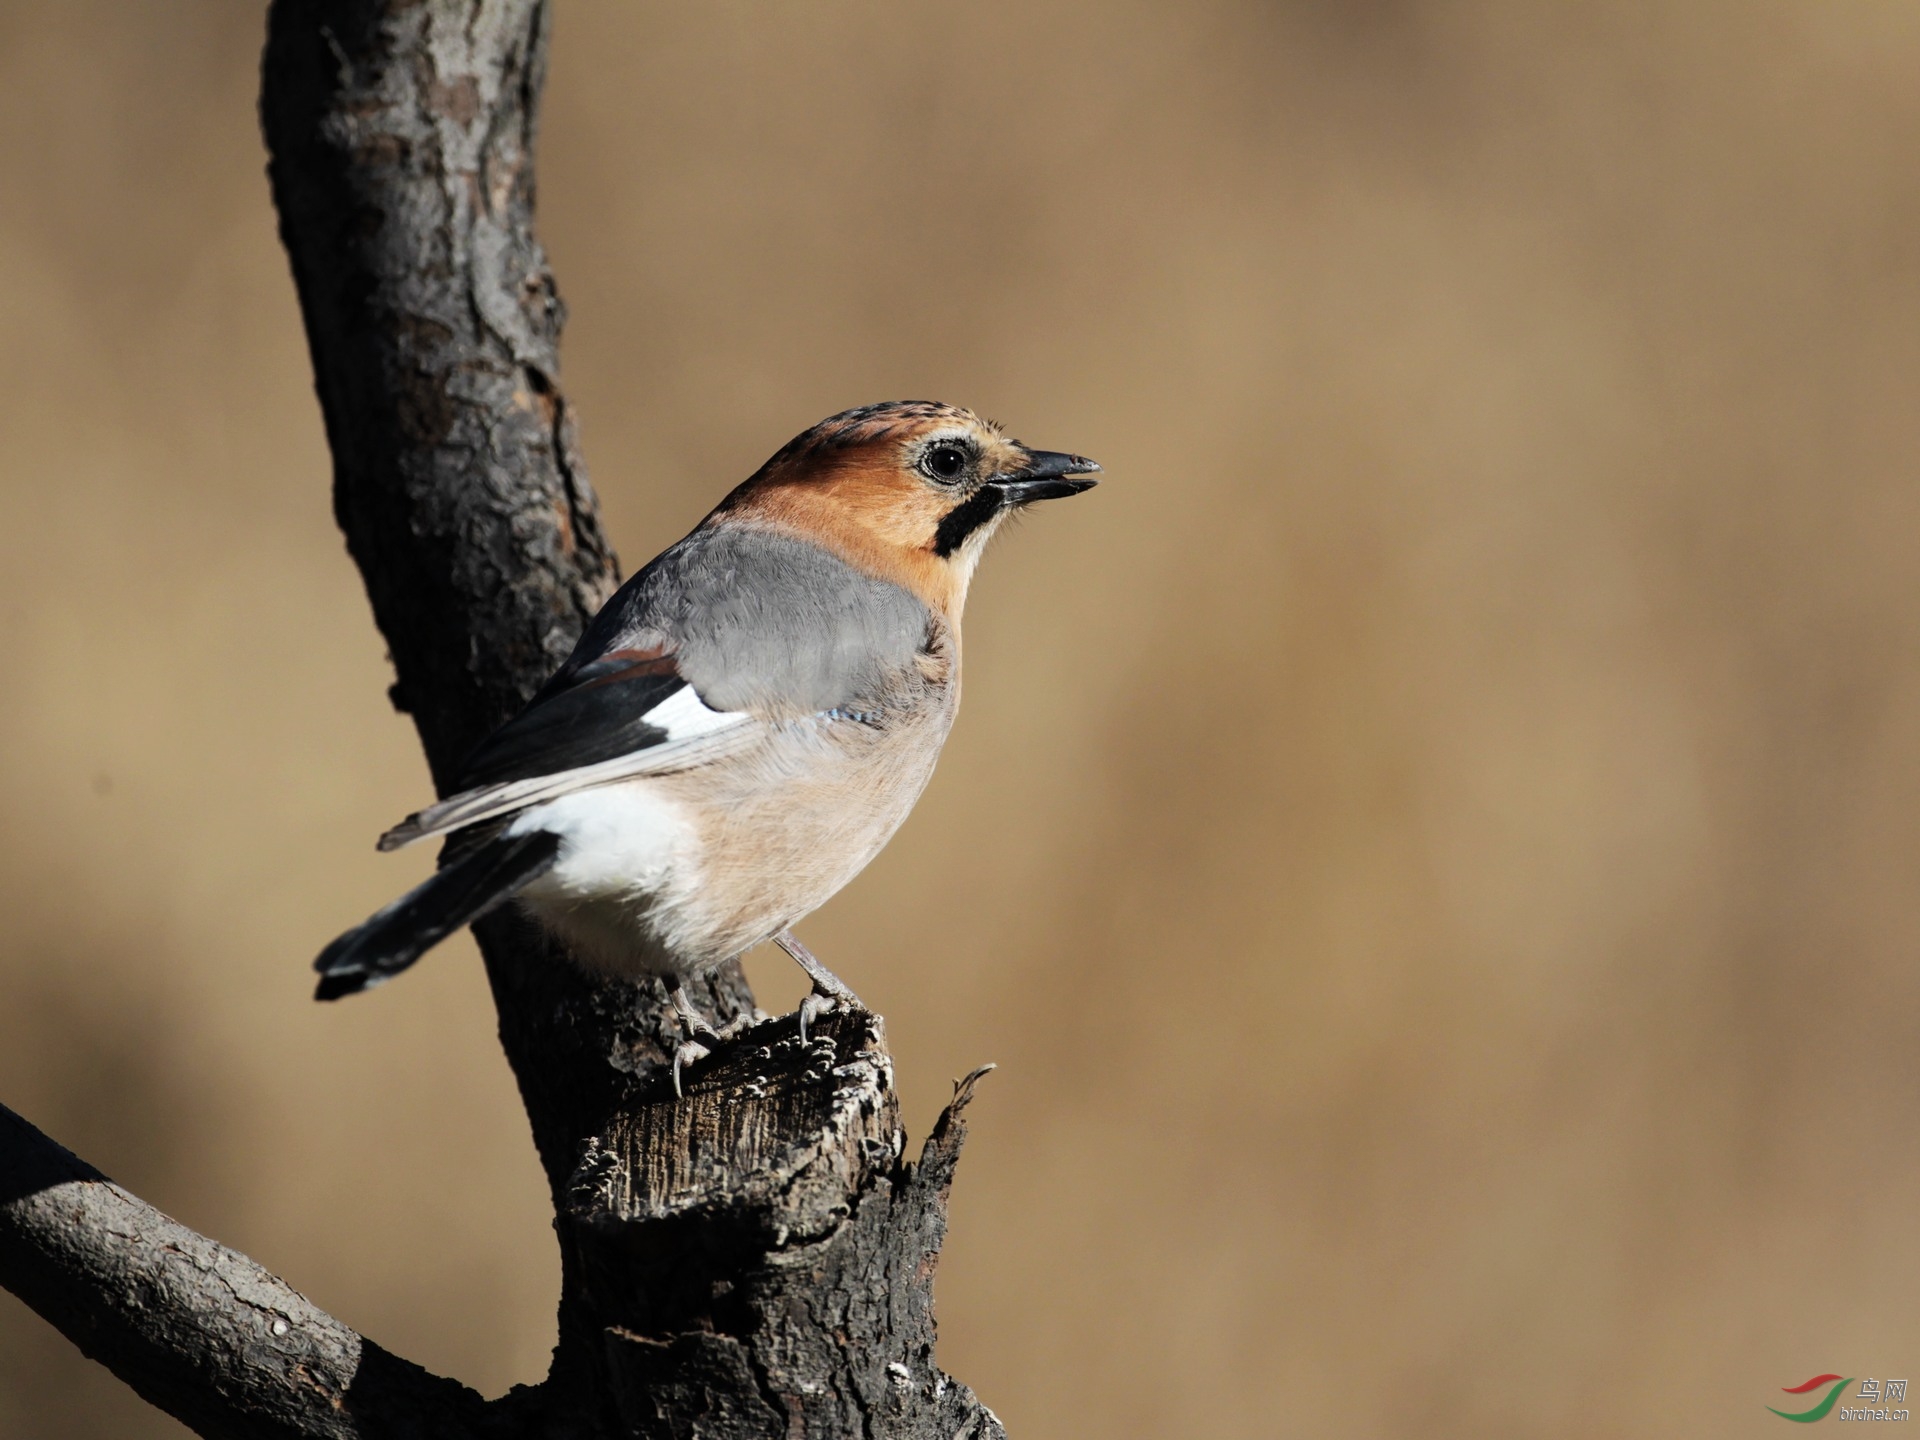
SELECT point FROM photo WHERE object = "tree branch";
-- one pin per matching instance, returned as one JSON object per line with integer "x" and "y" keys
{"x": 754, "y": 1260}
{"x": 197, "y": 1329}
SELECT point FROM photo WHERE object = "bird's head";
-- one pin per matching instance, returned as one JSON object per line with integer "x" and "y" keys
{"x": 908, "y": 490}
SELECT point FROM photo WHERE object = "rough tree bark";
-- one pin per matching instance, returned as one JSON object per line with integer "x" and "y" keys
{"x": 754, "y": 1260}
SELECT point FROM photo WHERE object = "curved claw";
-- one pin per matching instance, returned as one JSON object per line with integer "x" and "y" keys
{"x": 688, "y": 1052}
{"x": 812, "y": 1008}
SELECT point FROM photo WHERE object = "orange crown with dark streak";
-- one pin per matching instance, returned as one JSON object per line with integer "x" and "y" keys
{"x": 908, "y": 491}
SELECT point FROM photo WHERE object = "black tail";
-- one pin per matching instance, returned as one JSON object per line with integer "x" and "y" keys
{"x": 392, "y": 939}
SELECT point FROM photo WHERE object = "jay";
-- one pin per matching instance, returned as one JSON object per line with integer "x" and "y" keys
{"x": 745, "y": 723}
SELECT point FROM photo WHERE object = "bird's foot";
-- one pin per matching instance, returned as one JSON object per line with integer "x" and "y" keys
{"x": 693, "y": 1024}
{"x": 812, "y": 1008}
{"x": 691, "y": 1020}
{"x": 829, "y": 990}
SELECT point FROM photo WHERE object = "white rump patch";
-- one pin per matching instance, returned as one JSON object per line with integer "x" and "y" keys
{"x": 614, "y": 840}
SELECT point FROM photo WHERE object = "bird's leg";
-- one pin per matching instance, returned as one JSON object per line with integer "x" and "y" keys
{"x": 824, "y": 980}
{"x": 691, "y": 1024}
{"x": 828, "y": 988}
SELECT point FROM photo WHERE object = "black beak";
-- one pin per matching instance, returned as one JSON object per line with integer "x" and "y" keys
{"x": 1047, "y": 475}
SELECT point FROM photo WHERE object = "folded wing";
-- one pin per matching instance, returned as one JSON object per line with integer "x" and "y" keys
{"x": 629, "y": 712}
{"x": 763, "y": 624}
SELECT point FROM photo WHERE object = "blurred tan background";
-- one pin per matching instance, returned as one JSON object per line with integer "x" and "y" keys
{"x": 1432, "y": 842}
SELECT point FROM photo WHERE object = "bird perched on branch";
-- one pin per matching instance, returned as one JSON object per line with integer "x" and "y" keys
{"x": 743, "y": 726}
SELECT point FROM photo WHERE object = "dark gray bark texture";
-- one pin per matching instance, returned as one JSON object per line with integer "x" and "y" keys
{"x": 752, "y": 1260}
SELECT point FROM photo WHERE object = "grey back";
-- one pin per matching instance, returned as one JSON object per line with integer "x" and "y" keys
{"x": 765, "y": 622}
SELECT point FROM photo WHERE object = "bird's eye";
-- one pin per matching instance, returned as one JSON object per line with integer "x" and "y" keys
{"x": 944, "y": 462}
